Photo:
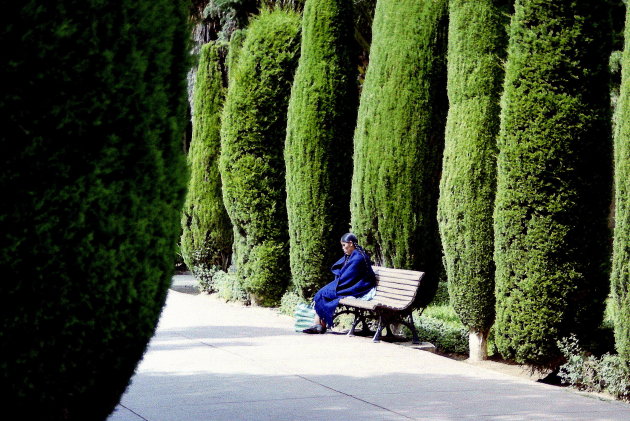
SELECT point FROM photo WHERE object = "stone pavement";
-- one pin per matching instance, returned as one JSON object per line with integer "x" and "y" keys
{"x": 211, "y": 360}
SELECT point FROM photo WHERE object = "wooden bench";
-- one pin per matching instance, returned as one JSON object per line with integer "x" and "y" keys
{"x": 396, "y": 291}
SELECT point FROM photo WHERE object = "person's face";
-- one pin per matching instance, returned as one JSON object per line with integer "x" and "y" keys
{"x": 347, "y": 247}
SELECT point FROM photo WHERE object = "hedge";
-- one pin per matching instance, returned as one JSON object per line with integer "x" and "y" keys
{"x": 477, "y": 40}
{"x": 252, "y": 169}
{"x": 553, "y": 183}
{"x": 399, "y": 139}
{"x": 93, "y": 175}
{"x": 620, "y": 278}
{"x": 318, "y": 150}
{"x": 207, "y": 232}
{"x": 234, "y": 49}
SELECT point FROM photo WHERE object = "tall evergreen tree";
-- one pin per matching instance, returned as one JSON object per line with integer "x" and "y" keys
{"x": 93, "y": 180}
{"x": 477, "y": 40}
{"x": 553, "y": 182}
{"x": 399, "y": 138}
{"x": 318, "y": 151}
{"x": 207, "y": 233}
{"x": 234, "y": 49}
{"x": 621, "y": 245}
{"x": 253, "y": 132}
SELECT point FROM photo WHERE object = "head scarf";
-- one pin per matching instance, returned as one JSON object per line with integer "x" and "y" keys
{"x": 351, "y": 238}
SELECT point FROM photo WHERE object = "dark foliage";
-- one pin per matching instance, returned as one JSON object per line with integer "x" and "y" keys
{"x": 93, "y": 178}
{"x": 553, "y": 179}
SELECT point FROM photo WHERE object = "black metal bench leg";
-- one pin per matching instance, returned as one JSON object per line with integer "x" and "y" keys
{"x": 414, "y": 333}
{"x": 379, "y": 329}
{"x": 355, "y": 322}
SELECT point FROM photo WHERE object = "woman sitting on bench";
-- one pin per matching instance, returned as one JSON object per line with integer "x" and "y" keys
{"x": 353, "y": 278}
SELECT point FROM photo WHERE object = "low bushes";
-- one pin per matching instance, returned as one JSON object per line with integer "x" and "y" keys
{"x": 229, "y": 287}
{"x": 608, "y": 373}
{"x": 445, "y": 337}
{"x": 202, "y": 268}
{"x": 440, "y": 325}
{"x": 226, "y": 285}
{"x": 289, "y": 301}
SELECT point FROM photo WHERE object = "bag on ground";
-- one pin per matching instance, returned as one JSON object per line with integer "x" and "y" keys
{"x": 304, "y": 316}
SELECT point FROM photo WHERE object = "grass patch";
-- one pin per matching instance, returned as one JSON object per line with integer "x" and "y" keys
{"x": 440, "y": 325}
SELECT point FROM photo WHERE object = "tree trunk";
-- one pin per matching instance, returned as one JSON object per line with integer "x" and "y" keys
{"x": 477, "y": 346}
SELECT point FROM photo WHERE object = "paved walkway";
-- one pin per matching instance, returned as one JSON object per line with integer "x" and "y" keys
{"x": 215, "y": 361}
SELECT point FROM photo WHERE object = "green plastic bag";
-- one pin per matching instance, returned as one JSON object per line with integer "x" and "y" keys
{"x": 304, "y": 316}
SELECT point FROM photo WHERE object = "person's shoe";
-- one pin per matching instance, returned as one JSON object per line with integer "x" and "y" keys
{"x": 315, "y": 329}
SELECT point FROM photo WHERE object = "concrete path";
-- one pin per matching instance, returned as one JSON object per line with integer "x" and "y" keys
{"x": 215, "y": 361}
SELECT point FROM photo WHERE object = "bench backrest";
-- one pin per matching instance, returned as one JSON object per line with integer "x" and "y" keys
{"x": 396, "y": 288}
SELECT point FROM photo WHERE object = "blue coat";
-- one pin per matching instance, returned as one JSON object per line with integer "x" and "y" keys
{"x": 353, "y": 277}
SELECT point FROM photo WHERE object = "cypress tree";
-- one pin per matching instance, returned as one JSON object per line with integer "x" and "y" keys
{"x": 553, "y": 183}
{"x": 318, "y": 151}
{"x": 93, "y": 180}
{"x": 621, "y": 250}
{"x": 399, "y": 139}
{"x": 207, "y": 233}
{"x": 234, "y": 48}
{"x": 477, "y": 38}
{"x": 253, "y": 132}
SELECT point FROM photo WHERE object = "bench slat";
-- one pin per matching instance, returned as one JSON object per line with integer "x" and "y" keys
{"x": 355, "y": 302}
{"x": 394, "y": 307}
{"x": 398, "y": 273}
{"x": 399, "y": 278}
{"x": 394, "y": 270}
{"x": 402, "y": 287}
{"x": 411, "y": 283}
{"x": 401, "y": 292}
{"x": 391, "y": 296}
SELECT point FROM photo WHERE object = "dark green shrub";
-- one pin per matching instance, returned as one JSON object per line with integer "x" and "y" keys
{"x": 621, "y": 249}
{"x": 318, "y": 150}
{"x": 399, "y": 139}
{"x": 93, "y": 176}
{"x": 252, "y": 166}
{"x": 477, "y": 39}
{"x": 553, "y": 184}
{"x": 206, "y": 240}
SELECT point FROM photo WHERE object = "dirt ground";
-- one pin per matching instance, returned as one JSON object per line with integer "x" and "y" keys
{"x": 516, "y": 370}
